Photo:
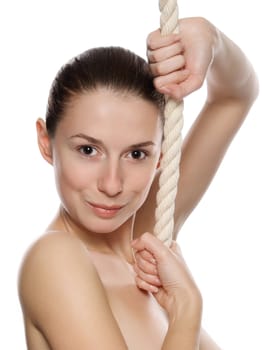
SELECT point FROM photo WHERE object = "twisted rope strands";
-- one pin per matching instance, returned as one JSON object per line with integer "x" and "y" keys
{"x": 171, "y": 147}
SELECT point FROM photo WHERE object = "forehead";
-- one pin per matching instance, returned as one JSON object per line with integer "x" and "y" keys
{"x": 105, "y": 113}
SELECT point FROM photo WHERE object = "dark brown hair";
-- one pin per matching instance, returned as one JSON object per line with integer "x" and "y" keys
{"x": 115, "y": 68}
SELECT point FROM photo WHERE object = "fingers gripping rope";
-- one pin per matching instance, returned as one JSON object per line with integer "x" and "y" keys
{"x": 171, "y": 148}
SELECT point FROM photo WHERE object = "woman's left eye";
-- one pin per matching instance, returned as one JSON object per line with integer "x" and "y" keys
{"x": 138, "y": 154}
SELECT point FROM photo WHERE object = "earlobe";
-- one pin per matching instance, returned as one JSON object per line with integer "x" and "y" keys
{"x": 44, "y": 142}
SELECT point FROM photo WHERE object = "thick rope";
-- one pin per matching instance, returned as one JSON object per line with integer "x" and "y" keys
{"x": 172, "y": 143}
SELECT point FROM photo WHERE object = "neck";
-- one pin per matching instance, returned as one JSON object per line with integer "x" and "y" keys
{"x": 114, "y": 243}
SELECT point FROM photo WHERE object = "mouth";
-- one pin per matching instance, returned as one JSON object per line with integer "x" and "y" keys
{"x": 105, "y": 211}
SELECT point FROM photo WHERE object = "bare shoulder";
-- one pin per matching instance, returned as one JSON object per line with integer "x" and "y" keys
{"x": 62, "y": 294}
{"x": 52, "y": 245}
{"x": 44, "y": 259}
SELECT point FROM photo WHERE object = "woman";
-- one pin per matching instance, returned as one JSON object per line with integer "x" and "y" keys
{"x": 97, "y": 278}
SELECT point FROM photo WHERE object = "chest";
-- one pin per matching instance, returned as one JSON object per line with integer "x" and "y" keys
{"x": 141, "y": 320}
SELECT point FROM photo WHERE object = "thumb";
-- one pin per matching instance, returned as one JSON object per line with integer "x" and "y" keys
{"x": 183, "y": 89}
{"x": 151, "y": 243}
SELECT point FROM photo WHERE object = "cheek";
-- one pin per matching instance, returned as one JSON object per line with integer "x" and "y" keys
{"x": 73, "y": 174}
{"x": 141, "y": 179}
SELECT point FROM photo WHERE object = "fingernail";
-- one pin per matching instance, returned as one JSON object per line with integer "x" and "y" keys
{"x": 165, "y": 90}
{"x": 154, "y": 289}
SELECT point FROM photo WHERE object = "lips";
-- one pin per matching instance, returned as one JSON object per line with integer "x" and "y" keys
{"x": 106, "y": 207}
{"x": 105, "y": 211}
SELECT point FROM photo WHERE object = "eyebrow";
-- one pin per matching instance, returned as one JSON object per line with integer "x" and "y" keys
{"x": 99, "y": 142}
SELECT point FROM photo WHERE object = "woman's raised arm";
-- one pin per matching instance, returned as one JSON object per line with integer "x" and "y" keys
{"x": 181, "y": 63}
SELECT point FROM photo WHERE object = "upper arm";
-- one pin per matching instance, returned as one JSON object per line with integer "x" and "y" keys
{"x": 202, "y": 152}
{"x": 60, "y": 291}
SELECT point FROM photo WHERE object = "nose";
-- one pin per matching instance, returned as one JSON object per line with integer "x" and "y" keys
{"x": 110, "y": 181}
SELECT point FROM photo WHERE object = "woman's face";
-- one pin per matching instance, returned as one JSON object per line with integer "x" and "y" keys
{"x": 105, "y": 153}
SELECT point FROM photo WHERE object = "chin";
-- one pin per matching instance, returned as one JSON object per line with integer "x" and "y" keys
{"x": 104, "y": 226}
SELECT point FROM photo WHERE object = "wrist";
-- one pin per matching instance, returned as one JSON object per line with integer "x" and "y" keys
{"x": 186, "y": 310}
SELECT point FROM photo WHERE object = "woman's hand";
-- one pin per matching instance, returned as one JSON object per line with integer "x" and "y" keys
{"x": 163, "y": 272}
{"x": 180, "y": 62}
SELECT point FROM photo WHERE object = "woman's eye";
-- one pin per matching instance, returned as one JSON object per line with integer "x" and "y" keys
{"x": 137, "y": 154}
{"x": 88, "y": 151}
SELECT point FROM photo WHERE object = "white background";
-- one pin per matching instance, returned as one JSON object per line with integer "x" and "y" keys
{"x": 221, "y": 240}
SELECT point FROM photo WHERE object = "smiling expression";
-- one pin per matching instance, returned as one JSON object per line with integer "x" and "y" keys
{"x": 105, "y": 153}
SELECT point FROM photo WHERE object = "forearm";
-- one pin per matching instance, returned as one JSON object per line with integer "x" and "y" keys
{"x": 230, "y": 76}
{"x": 184, "y": 328}
{"x": 186, "y": 340}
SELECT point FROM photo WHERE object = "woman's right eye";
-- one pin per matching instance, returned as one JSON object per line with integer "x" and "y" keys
{"x": 88, "y": 150}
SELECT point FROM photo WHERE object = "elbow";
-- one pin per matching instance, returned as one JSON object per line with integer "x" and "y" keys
{"x": 256, "y": 88}
{"x": 252, "y": 89}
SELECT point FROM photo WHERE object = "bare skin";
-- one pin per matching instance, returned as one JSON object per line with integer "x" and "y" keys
{"x": 79, "y": 282}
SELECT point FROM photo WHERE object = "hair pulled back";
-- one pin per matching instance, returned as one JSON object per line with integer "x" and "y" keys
{"x": 114, "y": 68}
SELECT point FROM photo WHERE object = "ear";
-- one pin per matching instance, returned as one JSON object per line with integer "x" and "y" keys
{"x": 44, "y": 142}
{"x": 159, "y": 161}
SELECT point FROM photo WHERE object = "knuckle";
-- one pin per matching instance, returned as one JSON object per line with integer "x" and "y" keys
{"x": 144, "y": 261}
{"x": 138, "y": 281}
{"x": 182, "y": 60}
{"x": 145, "y": 236}
{"x": 145, "y": 254}
{"x": 160, "y": 68}
{"x": 154, "y": 39}
{"x": 153, "y": 69}
{"x": 153, "y": 56}
{"x": 151, "y": 41}
{"x": 176, "y": 49}
{"x": 142, "y": 265}
{"x": 158, "y": 83}
{"x": 180, "y": 47}
{"x": 141, "y": 283}
{"x": 156, "y": 56}
{"x": 137, "y": 257}
{"x": 147, "y": 267}
{"x": 199, "y": 81}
